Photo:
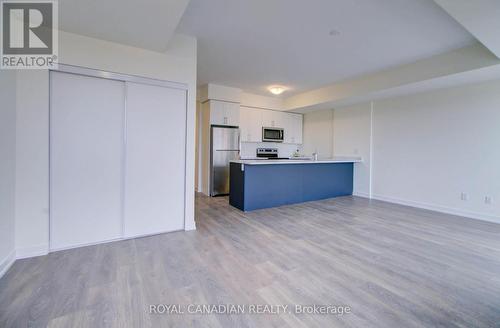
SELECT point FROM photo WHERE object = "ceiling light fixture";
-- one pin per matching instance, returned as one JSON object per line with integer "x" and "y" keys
{"x": 276, "y": 89}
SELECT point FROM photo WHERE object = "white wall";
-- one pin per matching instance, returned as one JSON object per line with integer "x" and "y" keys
{"x": 318, "y": 133}
{"x": 462, "y": 60}
{"x": 218, "y": 92}
{"x": 342, "y": 132}
{"x": 32, "y": 163}
{"x": 205, "y": 149}
{"x": 7, "y": 168}
{"x": 177, "y": 64}
{"x": 258, "y": 101}
{"x": 430, "y": 147}
{"x": 351, "y": 137}
{"x": 424, "y": 150}
{"x": 197, "y": 157}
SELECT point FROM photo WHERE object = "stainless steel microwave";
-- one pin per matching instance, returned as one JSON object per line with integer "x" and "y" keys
{"x": 272, "y": 134}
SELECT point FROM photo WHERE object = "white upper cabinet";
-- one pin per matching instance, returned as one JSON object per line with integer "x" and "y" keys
{"x": 294, "y": 128}
{"x": 273, "y": 119}
{"x": 268, "y": 119}
{"x": 253, "y": 119}
{"x": 250, "y": 124}
{"x": 289, "y": 136}
{"x": 280, "y": 119}
{"x": 232, "y": 114}
{"x": 224, "y": 113}
{"x": 217, "y": 112}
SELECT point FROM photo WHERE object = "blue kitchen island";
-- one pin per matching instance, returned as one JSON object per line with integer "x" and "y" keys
{"x": 256, "y": 184}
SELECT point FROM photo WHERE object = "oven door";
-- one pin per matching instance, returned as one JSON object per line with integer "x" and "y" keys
{"x": 272, "y": 134}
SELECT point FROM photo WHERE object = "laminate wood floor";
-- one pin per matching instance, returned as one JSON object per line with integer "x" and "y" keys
{"x": 394, "y": 266}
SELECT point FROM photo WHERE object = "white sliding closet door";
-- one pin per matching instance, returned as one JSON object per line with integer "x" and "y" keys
{"x": 86, "y": 161}
{"x": 155, "y": 159}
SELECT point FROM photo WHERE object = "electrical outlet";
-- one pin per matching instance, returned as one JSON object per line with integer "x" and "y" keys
{"x": 487, "y": 200}
{"x": 464, "y": 196}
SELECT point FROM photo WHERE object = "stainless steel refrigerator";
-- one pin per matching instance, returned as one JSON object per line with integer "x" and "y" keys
{"x": 224, "y": 147}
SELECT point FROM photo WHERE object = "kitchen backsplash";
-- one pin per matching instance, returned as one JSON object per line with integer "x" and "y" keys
{"x": 248, "y": 149}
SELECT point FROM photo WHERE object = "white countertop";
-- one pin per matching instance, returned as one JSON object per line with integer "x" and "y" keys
{"x": 298, "y": 161}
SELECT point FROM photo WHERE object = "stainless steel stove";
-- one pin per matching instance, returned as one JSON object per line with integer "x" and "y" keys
{"x": 268, "y": 153}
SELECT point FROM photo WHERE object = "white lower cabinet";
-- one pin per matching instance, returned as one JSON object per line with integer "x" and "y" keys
{"x": 117, "y": 159}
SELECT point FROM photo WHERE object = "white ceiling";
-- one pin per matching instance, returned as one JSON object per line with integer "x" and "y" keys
{"x": 448, "y": 81}
{"x": 147, "y": 24}
{"x": 480, "y": 17}
{"x": 252, "y": 44}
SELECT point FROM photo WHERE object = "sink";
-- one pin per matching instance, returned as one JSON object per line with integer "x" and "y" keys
{"x": 304, "y": 158}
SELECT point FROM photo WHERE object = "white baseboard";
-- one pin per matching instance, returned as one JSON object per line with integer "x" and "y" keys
{"x": 7, "y": 262}
{"x": 190, "y": 226}
{"x": 43, "y": 249}
{"x": 57, "y": 249}
{"x": 361, "y": 194}
{"x": 32, "y": 251}
{"x": 439, "y": 208}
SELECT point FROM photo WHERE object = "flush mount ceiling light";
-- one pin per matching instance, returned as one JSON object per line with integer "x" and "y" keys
{"x": 276, "y": 89}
